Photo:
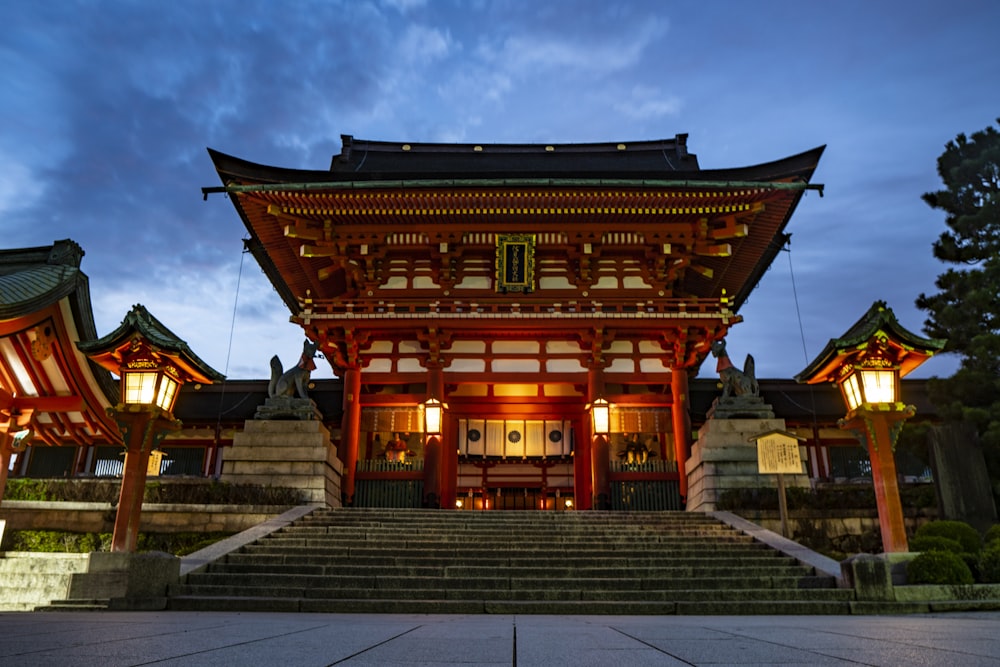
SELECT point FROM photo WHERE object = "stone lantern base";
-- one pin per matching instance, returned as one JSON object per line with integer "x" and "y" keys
{"x": 289, "y": 453}
{"x": 725, "y": 457}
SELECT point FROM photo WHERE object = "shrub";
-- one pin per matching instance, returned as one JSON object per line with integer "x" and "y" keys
{"x": 924, "y": 543}
{"x": 938, "y": 567}
{"x": 989, "y": 563}
{"x": 992, "y": 535}
{"x": 201, "y": 492}
{"x": 959, "y": 531}
{"x": 179, "y": 544}
{"x": 50, "y": 541}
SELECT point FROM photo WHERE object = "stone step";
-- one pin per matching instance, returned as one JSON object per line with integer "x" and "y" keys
{"x": 597, "y": 552}
{"x": 549, "y": 607}
{"x": 525, "y": 536}
{"x": 16, "y": 562}
{"x": 29, "y": 580}
{"x": 655, "y": 594}
{"x": 617, "y": 563}
{"x": 654, "y": 573}
{"x": 505, "y": 534}
{"x": 432, "y": 561}
{"x": 291, "y": 582}
{"x": 77, "y": 605}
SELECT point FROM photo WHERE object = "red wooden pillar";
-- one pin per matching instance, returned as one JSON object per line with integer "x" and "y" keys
{"x": 600, "y": 453}
{"x": 142, "y": 430}
{"x": 433, "y": 448}
{"x": 449, "y": 465}
{"x": 6, "y": 451}
{"x": 681, "y": 417}
{"x": 350, "y": 433}
{"x": 876, "y": 428}
{"x": 583, "y": 469}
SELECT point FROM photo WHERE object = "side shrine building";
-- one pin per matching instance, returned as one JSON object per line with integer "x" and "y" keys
{"x": 519, "y": 286}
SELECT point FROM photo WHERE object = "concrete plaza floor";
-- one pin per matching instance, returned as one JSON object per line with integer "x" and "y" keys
{"x": 112, "y": 639}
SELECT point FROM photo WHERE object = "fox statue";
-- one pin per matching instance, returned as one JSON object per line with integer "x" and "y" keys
{"x": 734, "y": 381}
{"x": 295, "y": 379}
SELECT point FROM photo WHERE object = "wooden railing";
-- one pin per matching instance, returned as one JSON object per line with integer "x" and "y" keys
{"x": 381, "y": 483}
{"x": 647, "y": 487}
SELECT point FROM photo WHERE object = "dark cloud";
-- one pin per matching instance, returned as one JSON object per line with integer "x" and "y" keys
{"x": 108, "y": 107}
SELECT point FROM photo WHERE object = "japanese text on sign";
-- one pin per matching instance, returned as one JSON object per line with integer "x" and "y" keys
{"x": 778, "y": 454}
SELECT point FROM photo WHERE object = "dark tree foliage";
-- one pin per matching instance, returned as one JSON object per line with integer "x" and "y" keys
{"x": 966, "y": 310}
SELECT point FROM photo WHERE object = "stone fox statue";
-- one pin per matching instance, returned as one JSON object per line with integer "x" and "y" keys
{"x": 734, "y": 381}
{"x": 295, "y": 379}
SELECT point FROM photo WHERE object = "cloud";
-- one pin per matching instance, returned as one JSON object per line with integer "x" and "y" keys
{"x": 648, "y": 103}
{"x": 107, "y": 115}
{"x": 577, "y": 52}
{"x": 422, "y": 45}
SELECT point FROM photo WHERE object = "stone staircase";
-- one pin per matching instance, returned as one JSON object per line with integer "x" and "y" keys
{"x": 432, "y": 561}
{"x": 32, "y": 580}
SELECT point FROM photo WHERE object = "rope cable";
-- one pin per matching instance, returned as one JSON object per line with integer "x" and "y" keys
{"x": 229, "y": 350}
{"x": 805, "y": 353}
{"x": 795, "y": 297}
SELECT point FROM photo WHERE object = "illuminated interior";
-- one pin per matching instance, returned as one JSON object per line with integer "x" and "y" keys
{"x": 432, "y": 416}
{"x": 141, "y": 389}
{"x": 601, "y": 413}
{"x": 869, "y": 386}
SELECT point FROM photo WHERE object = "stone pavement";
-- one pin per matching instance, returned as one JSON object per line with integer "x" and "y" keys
{"x": 112, "y": 639}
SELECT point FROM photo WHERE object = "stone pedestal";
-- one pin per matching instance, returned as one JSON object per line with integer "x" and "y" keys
{"x": 127, "y": 580}
{"x": 725, "y": 457}
{"x": 290, "y": 453}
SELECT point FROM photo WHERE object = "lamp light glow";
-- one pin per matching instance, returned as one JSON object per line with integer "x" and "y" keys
{"x": 600, "y": 413}
{"x": 149, "y": 388}
{"x": 869, "y": 386}
{"x": 433, "y": 416}
{"x": 879, "y": 385}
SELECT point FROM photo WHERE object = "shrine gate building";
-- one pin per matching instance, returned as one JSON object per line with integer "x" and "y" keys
{"x": 517, "y": 285}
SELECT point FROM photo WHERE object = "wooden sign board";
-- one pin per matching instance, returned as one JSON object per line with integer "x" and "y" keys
{"x": 778, "y": 454}
{"x": 153, "y": 467}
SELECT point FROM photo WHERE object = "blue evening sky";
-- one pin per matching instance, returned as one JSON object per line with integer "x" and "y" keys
{"x": 107, "y": 108}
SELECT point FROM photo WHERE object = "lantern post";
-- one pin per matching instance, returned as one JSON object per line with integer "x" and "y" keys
{"x": 433, "y": 422}
{"x": 152, "y": 365}
{"x": 867, "y": 363}
{"x": 600, "y": 416}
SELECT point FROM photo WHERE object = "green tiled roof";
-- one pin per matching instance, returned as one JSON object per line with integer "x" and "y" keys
{"x": 140, "y": 321}
{"x": 34, "y": 278}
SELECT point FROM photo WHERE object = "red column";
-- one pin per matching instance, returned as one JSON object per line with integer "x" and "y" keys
{"x": 583, "y": 470}
{"x": 6, "y": 451}
{"x": 600, "y": 453}
{"x": 681, "y": 417}
{"x": 142, "y": 430}
{"x": 875, "y": 426}
{"x": 434, "y": 445}
{"x": 350, "y": 433}
{"x": 449, "y": 465}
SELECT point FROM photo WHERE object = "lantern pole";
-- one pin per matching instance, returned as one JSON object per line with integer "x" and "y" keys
{"x": 878, "y": 429}
{"x": 867, "y": 362}
{"x": 143, "y": 427}
{"x": 152, "y": 364}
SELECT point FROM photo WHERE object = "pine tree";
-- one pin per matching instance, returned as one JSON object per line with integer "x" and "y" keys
{"x": 966, "y": 310}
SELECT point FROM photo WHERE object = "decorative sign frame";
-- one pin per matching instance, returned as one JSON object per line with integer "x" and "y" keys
{"x": 778, "y": 454}
{"x": 515, "y": 263}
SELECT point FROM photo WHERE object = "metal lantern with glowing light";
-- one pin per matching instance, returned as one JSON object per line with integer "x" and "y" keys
{"x": 600, "y": 414}
{"x": 867, "y": 363}
{"x": 433, "y": 416}
{"x": 152, "y": 363}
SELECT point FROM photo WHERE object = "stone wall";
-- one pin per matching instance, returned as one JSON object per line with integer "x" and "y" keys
{"x": 725, "y": 457}
{"x": 839, "y": 528}
{"x": 296, "y": 454}
{"x": 156, "y": 518}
